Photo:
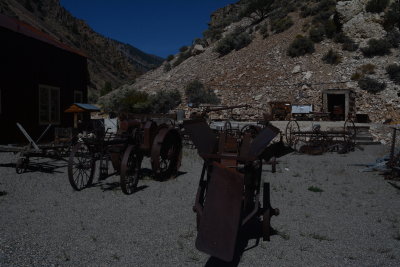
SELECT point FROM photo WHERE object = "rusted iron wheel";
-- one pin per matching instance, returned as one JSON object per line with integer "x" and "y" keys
{"x": 291, "y": 133}
{"x": 81, "y": 167}
{"x": 130, "y": 170}
{"x": 166, "y": 153}
{"x": 21, "y": 165}
{"x": 252, "y": 129}
{"x": 350, "y": 131}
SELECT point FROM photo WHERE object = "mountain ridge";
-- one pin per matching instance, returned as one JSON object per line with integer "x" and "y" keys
{"x": 109, "y": 61}
{"x": 262, "y": 71}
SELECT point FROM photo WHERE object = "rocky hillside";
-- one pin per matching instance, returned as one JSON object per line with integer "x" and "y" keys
{"x": 291, "y": 51}
{"x": 110, "y": 61}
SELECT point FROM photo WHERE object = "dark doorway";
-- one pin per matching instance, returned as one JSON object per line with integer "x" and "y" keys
{"x": 336, "y": 106}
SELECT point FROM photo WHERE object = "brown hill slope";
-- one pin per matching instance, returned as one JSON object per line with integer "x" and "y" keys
{"x": 109, "y": 60}
{"x": 263, "y": 71}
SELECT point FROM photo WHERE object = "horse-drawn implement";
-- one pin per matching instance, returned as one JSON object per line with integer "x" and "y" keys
{"x": 228, "y": 195}
{"x": 317, "y": 141}
{"x": 56, "y": 150}
{"x": 125, "y": 150}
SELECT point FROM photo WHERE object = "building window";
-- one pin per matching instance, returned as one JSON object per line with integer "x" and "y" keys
{"x": 49, "y": 104}
{"x": 78, "y": 97}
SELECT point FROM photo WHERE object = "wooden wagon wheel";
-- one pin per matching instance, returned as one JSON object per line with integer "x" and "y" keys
{"x": 130, "y": 169}
{"x": 350, "y": 131}
{"x": 166, "y": 153}
{"x": 81, "y": 167}
{"x": 290, "y": 133}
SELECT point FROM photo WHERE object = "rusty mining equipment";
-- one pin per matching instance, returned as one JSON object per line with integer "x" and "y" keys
{"x": 136, "y": 139}
{"x": 228, "y": 195}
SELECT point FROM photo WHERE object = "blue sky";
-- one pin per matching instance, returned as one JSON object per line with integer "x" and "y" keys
{"x": 157, "y": 27}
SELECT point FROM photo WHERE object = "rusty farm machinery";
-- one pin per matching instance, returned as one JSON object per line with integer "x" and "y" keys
{"x": 228, "y": 195}
{"x": 56, "y": 150}
{"x": 136, "y": 139}
{"x": 317, "y": 141}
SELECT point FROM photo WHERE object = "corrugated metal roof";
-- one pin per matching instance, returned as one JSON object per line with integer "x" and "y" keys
{"x": 30, "y": 31}
{"x": 88, "y": 107}
{"x": 79, "y": 107}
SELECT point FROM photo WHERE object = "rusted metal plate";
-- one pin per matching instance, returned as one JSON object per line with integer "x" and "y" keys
{"x": 220, "y": 219}
{"x": 262, "y": 140}
{"x": 201, "y": 134}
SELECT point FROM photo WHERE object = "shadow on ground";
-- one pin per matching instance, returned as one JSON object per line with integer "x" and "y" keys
{"x": 251, "y": 231}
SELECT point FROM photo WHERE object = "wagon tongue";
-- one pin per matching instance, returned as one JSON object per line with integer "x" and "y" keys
{"x": 220, "y": 221}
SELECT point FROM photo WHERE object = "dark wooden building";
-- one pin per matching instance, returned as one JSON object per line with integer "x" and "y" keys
{"x": 39, "y": 78}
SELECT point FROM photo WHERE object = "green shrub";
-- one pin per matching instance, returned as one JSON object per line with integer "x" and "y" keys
{"x": 182, "y": 57}
{"x": 315, "y": 189}
{"x": 393, "y": 37}
{"x": 376, "y": 47}
{"x": 259, "y": 8}
{"x": 330, "y": 29}
{"x": 326, "y": 5}
{"x": 234, "y": 41}
{"x": 214, "y": 34}
{"x": 332, "y": 57}
{"x": 196, "y": 94}
{"x": 167, "y": 67}
{"x": 264, "y": 30}
{"x": 356, "y": 76}
{"x": 392, "y": 17}
{"x": 393, "y": 71}
{"x": 370, "y": 85}
{"x": 349, "y": 45}
{"x": 376, "y": 6}
{"x": 281, "y": 25}
{"x": 164, "y": 101}
{"x": 317, "y": 34}
{"x": 323, "y": 16}
{"x": 170, "y": 57}
{"x": 135, "y": 102}
{"x": 306, "y": 11}
{"x": 141, "y": 102}
{"x": 368, "y": 68}
{"x": 301, "y": 46}
{"x": 183, "y": 49}
{"x": 340, "y": 38}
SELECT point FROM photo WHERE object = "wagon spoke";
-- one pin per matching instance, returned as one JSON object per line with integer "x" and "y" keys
{"x": 81, "y": 166}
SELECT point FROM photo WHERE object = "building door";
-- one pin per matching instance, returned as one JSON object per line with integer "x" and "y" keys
{"x": 337, "y": 106}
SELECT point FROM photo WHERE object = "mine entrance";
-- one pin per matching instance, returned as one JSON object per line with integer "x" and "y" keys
{"x": 336, "y": 106}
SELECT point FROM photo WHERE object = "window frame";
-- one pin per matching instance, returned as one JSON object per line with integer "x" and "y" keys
{"x": 76, "y": 93}
{"x": 50, "y": 89}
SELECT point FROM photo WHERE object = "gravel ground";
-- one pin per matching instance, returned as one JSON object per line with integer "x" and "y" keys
{"x": 355, "y": 221}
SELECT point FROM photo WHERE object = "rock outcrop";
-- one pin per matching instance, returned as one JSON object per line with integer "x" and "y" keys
{"x": 263, "y": 72}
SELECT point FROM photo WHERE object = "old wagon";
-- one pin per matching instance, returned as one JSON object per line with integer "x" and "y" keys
{"x": 136, "y": 139}
{"x": 317, "y": 141}
{"x": 58, "y": 149}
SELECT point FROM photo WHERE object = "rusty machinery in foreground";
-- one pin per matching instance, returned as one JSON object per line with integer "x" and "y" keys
{"x": 317, "y": 141}
{"x": 229, "y": 188}
{"x": 135, "y": 139}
